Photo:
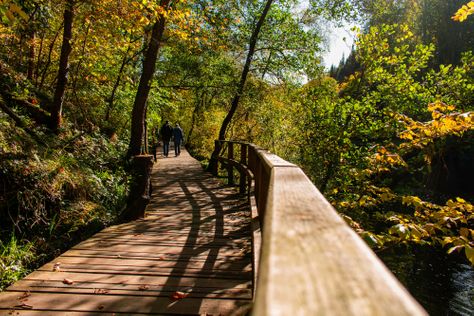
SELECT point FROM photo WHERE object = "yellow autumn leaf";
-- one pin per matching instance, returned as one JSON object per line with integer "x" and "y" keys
{"x": 464, "y": 232}
{"x": 464, "y": 12}
{"x": 385, "y": 197}
{"x": 469, "y": 253}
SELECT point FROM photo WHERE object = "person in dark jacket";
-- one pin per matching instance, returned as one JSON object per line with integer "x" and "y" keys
{"x": 178, "y": 138}
{"x": 166, "y": 132}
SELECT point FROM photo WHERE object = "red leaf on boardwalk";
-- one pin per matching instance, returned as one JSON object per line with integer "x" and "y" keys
{"x": 68, "y": 282}
{"x": 178, "y": 295}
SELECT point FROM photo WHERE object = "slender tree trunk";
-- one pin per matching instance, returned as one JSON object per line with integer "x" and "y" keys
{"x": 48, "y": 62}
{"x": 57, "y": 107}
{"x": 116, "y": 85}
{"x": 75, "y": 75}
{"x": 126, "y": 59}
{"x": 38, "y": 59}
{"x": 31, "y": 56}
{"x": 240, "y": 88}
{"x": 139, "y": 106}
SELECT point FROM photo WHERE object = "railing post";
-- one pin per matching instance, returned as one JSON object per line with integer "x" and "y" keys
{"x": 215, "y": 167}
{"x": 230, "y": 168}
{"x": 243, "y": 161}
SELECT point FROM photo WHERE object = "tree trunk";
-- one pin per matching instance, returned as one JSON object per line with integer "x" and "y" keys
{"x": 116, "y": 85}
{"x": 140, "y": 188}
{"x": 57, "y": 107}
{"x": 145, "y": 133}
{"x": 38, "y": 60}
{"x": 139, "y": 106}
{"x": 31, "y": 56}
{"x": 48, "y": 61}
{"x": 240, "y": 88}
{"x": 125, "y": 60}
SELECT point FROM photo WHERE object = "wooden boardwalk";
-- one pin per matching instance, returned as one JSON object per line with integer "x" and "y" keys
{"x": 191, "y": 255}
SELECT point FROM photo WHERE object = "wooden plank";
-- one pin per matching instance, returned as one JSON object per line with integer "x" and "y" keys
{"x": 149, "y": 271}
{"x": 119, "y": 304}
{"x": 161, "y": 290}
{"x": 204, "y": 256}
{"x": 138, "y": 279}
{"x": 66, "y": 261}
{"x": 313, "y": 264}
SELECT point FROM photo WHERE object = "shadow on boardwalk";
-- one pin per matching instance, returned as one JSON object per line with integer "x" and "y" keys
{"x": 190, "y": 255}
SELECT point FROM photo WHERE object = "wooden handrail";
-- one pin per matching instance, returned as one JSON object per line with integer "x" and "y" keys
{"x": 311, "y": 261}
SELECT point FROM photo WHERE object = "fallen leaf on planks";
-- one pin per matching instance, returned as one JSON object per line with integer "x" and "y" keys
{"x": 24, "y": 296}
{"x": 24, "y": 306}
{"x": 178, "y": 295}
{"x": 143, "y": 287}
{"x": 101, "y": 307}
{"x": 101, "y": 291}
{"x": 68, "y": 282}
{"x": 57, "y": 267}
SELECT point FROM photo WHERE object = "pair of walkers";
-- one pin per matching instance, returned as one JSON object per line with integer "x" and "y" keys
{"x": 167, "y": 132}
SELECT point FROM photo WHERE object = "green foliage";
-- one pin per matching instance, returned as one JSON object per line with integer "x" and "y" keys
{"x": 15, "y": 256}
{"x": 80, "y": 173}
{"x": 393, "y": 81}
{"x": 370, "y": 143}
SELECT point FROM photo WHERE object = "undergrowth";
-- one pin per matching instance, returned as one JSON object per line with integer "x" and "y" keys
{"x": 15, "y": 257}
{"x": 54, "y": 194}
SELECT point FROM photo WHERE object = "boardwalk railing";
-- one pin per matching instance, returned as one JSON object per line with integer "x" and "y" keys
{"x": 311, "y": 261}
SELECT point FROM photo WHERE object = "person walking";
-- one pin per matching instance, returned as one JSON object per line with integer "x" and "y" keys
{"x": 166, "y": 132}
{"x": 178, "y": 138}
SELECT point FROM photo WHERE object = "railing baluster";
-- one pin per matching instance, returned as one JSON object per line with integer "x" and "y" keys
{"x": 215, "y": 170}
{"x": 243, "y": 161}
{"x": 230, "y": 167}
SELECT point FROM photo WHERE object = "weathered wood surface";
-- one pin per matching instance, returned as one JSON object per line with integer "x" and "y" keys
{"x": 195, "y": 239}
{"x": 312, "y": 262}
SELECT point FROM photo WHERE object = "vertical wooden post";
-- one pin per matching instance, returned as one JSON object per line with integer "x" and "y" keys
{"x": 230, "y": 168}
{"x": 243, "y": 161}
{"x": 215, "y": 167}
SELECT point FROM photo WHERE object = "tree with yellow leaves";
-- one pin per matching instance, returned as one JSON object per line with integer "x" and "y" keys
{"x": 464, "y": 12}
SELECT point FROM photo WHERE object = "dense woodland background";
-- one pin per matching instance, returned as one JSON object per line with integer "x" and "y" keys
{"x": 387, "y": 135}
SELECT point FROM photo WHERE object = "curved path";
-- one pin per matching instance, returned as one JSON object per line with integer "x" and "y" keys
{"x": 190, "y": 255}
